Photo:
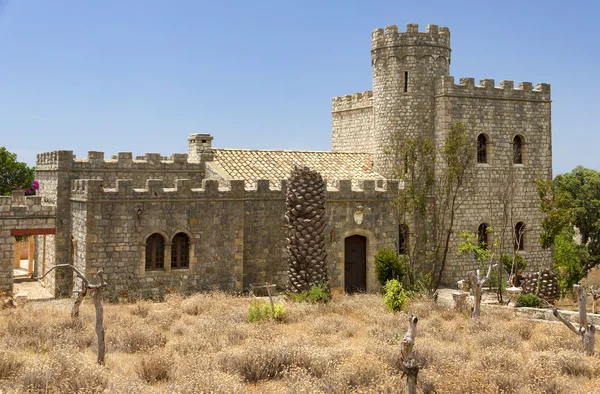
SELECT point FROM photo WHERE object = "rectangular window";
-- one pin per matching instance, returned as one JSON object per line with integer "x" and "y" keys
{"x": 405, "y": 81}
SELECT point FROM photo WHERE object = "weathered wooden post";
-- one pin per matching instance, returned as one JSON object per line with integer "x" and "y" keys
{"x": 586, "y": 331}
{"x": 476, "y": 282}
{"x": 595, "y": 293}
{"x": 409, "y": 364}
{"x": 97, "y": 297}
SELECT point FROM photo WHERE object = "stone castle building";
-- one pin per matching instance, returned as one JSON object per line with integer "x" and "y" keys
{"x": 213, "y": 218}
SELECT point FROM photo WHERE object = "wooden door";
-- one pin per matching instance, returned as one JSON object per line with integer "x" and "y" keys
{"x": 355, "y": 264}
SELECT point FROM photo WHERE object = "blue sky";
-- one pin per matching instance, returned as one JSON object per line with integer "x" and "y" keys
{"x": 142, "y": 75}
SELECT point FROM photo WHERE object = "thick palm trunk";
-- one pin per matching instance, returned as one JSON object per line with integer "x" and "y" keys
{"x": 306, "y": 220}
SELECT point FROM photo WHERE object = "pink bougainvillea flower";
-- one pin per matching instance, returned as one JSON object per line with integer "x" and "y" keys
{"x": 35, "y": 185}
{"x": 27, "y": 191}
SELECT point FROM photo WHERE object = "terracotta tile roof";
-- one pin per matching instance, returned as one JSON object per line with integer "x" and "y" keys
{"x": 275, "y": 165}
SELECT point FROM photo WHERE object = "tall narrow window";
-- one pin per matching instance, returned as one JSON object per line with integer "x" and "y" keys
{"x": 403, "y": 239}
{"x": 155, "y": 252}
{"x": 481, "y": 149}
{"x": 405, "y": 81}
{"x": 180, "y": 251}
{"x": 520, "y": 236}
{"x": 482, "y": 235}
{"x": 518, "y": 150}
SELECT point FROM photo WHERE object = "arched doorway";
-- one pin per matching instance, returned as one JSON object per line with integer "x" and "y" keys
{"x": 355, "y": 264}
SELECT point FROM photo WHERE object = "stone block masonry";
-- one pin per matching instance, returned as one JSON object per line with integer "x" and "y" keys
{"x": 189, "y": 222}
{"x": 21, "y": 215}
{"x": 414, "y": 95}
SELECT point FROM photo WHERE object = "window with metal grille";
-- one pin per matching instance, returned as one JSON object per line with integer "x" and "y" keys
{"x": 481, "y": 149}
{"x": 518, "y": 150}
{"x": 180, "y": 251}
{"x": 403, "y": 239}
{"x": 482, "y": 235}
{"x": 155, "y": 252}
{"x": 520, "y": 236}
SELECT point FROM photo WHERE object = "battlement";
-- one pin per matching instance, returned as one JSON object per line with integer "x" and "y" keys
{"x": 390, "y": 37}
{"x": 445, "y": 86}
{"x": 352, "y": 101}
{"x": 66, "y": 160}
{"x": 93, "y": 190}
{"x": 19, "y": 204}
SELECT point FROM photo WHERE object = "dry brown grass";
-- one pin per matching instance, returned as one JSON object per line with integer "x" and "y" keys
{"x": 204, "y": 344}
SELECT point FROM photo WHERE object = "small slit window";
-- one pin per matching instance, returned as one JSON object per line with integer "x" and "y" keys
{"x": 403, "y": 239}
{"x": 482, "y": 235}
{"x": 482, "y": 149}
{"x": 518, "y": 150}
{"x": 155, "y": 252}
{"x": 405, "y": 81}
{"x": 520, "y": 236}
{"x": 180, "y": 251}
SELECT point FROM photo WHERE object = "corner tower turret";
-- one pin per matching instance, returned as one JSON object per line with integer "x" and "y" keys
{"x": 405, "y": 66}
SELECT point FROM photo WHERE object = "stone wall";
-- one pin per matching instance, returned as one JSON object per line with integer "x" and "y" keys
{"x": 500, "y": 113}
{"x": 121, "y": 166}
{"x": 18, "y": 212}
{"x": 237, "y": 233}
{"x": 405, "y": 66}
{"x": 353, "y": 123}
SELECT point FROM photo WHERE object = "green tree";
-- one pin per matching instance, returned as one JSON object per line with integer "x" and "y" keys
{"x": 13, "y": 174}
{"x": 572, "y": 201}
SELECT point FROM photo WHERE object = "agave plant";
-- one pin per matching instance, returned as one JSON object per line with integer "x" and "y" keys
{"x": 306, "y": 220}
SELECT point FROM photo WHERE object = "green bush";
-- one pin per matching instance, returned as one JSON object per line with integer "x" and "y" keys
{"x": 395, "y": 297}
{"x": 260, "y": 311}
{"x": 507, "y": 262}
{"x": 388, "y": 265}
{"x": 529, "y": 301}
{"x": 318, "y": 294}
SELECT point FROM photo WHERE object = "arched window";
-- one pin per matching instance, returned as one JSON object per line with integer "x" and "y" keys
{"x": 180, "y": 251}
{"x": 517, "y": 150}
{"x": 481, "y": 149}
{"x": 402, "y": 239}
{"x": 155, "y": 252}
{"x": 520, "y": 236}
{"x": 482, "y": 235}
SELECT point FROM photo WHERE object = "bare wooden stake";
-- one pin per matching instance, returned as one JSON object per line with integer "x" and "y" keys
{"x": 270, "y": 297}
{"x": 78, "y": 301}
{"x": 586, "y": 330}
{"x": 97, "y": 289}
{"x": 409, "y": 364}
{"x": 476, "y": 282}
{"x": 595, "y": 293}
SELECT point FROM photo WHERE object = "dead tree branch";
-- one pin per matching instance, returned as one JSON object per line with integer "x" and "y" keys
{"x": 97, "y": 297}
{"x": 476, "y": 282}
{"x": 586, "y": 331}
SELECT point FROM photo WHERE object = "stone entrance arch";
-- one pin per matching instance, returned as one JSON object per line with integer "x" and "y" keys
{"x": 371, "y": 280}
{"x": 21, "y": 216}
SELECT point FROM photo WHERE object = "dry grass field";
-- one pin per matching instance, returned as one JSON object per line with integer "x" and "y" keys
{"x": 204, "y": 344}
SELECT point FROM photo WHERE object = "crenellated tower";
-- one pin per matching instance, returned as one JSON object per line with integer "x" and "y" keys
{"x": 405, "y": 67}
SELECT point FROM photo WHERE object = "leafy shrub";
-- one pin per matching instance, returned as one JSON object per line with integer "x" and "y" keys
{"x": 318, "y": 294}
{"x": 261, "y": 311}
{"x": 529, "y": 301}
{"x": 388, "y": 265}
{"x": 507, "y": 262}
{"x": 395, "y": 297}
